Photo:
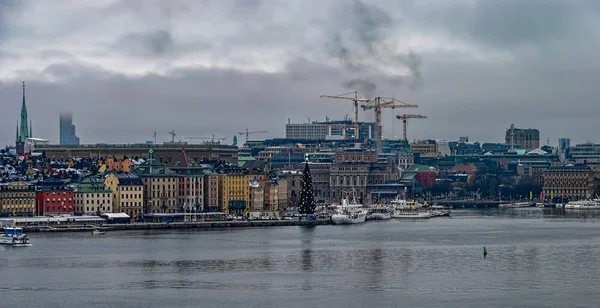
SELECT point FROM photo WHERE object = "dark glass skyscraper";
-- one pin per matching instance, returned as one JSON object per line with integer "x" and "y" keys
{"x": 67, "y": 130}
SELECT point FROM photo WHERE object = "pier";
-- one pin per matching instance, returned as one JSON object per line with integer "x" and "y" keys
{"x": 175, "y": 225}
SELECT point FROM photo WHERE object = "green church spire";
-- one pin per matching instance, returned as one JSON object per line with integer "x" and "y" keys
{"x": 24, "y": 132}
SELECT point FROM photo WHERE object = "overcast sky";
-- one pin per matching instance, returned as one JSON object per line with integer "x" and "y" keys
{"x": 127, "y": 68}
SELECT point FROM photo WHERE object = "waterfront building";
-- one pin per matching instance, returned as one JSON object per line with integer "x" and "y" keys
{"x": 54, "y": 196}
{"x": 160, "y": 186}
{"x": 67, "y": 130}
{"x": 24, "y": 130}
{"x": 320, "y": 177}
{"x": 127, "y": 191}
{"x": 163, "y": 153}
{"x": 235, "y": 192}
{"x": 17, "y": 199}
{"x": 257, "y": 196}
{"x": 92, "y": 197}
{"x": 191, "y": 182}
{"x": 571, "y": 181}
{"x": 212, "y": 193}
{"x": 260, "y": 172}
{"x": 524, "y": 138}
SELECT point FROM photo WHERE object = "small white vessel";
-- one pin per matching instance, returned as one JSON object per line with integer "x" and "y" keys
{"x": 349, "y": 213}
{"x": 380, "y": 213}
{"x": 514, "y": 205}
{"x": 410, "y": 214}
{"x": 98, "y": 232}
{"x": 408, "y": 209}
{"x": 14, "y": 236}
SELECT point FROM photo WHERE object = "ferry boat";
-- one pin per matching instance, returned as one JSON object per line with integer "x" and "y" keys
{"x": 408, "y": 209}
{"x": 583, "y": 205}
{"x": 14, "y": 236}
{"x": 98, "y": 232}
{"x": 349, "y": 213}
{"x": 380, "y": 213}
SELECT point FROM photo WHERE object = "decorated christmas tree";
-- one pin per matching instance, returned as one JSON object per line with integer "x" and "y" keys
{"x": 307, "y": 196}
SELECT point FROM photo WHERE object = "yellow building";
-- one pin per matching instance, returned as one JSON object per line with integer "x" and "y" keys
{"x": 235, "y": 193}
{"x": 17, "y": 198}
{"x": 128, "y": 193}
{"x": 92, "y": 197}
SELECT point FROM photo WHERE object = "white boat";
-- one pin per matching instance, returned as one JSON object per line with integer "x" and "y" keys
{"x": 514, "y": 205}
{"x": 380, "y": 213}
{"x": 583, "y": 205}
{"x": 14, "y": 236}
{"x": 408, "y": 209}
{"x": 410, "y": 214}
{"x": 98, "y": 232}
{"x": 349, "y": 213}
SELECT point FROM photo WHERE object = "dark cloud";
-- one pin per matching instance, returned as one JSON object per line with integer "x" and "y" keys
{"x": 365, "y": 87}
{"x": 362, "y": 39}
{"x": 156, "y": 43}
{"x": 486, "y": 64}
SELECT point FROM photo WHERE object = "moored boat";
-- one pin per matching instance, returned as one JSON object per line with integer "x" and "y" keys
{"x": 379, "y": 213}
{"x": 349, "y": 213}
{"x": 98, "y": 232}
{"x": 14, "y": 237}
{"x": 410, "y": 214}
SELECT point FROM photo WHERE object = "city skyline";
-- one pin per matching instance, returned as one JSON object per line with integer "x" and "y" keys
{"x": 471, "y": 72}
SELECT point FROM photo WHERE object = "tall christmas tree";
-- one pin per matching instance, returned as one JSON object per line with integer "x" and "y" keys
{"x": 307, "y": 196}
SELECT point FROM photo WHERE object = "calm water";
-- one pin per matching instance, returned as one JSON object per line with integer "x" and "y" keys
{"x": 534, "y": 260}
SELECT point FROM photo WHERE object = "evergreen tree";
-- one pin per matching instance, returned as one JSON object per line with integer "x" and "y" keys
{"x": 307, "y": 196}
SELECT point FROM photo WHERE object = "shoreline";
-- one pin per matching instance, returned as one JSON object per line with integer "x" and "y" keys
{"x": 174, "y": 225}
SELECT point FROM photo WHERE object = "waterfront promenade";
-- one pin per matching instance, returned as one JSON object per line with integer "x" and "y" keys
{"x": 175, "y": 225}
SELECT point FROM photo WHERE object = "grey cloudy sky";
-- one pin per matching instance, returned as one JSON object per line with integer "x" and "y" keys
{"x": 127, "y": 68}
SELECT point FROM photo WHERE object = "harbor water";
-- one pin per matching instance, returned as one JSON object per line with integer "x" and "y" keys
{"x": 536, "y": 258}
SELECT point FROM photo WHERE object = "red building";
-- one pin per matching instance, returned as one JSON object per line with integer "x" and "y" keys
{"x": 425, "y": 175}
{"x": 426, "y": 179}
{"x": 54, "y": 197}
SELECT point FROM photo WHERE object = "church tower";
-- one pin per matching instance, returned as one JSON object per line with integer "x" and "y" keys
{"x": 23, "y": 130}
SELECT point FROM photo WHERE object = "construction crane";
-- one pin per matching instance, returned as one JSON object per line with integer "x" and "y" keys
{"x": 173, "y": 134}
{"x": 207, "y": 138}
{"x": 379, "y": 103}
{"x": 355, "y": 99}
{"x": 247, "y": 132}
{"x": 404, "y": 118}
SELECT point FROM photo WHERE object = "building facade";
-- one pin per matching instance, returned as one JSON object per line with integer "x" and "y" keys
{"x": 160, "y": 187}
{"x": 328, "y": 130}
{"x": 67, "y": 130}
{"x": 128, "y": 193}
{"x": 163, "y": 153}
{"x": 54, "y": 197}
{"x": 212, "y": 193}
{"x": 524, "y": 138}
{"x": 573, "y": 182}
{"x": 17, "y": 199}
{"x": 235, "y": 193}
{"x": 92, "y": 197}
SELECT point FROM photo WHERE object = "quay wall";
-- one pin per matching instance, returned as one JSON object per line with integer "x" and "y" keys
{"x": 176, "y": 225}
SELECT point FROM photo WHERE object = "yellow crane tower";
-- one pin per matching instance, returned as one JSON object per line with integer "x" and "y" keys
{"x": 379, "y": 103}
{"x": 404, "y": 118}
{"x": 355, "y": 99}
